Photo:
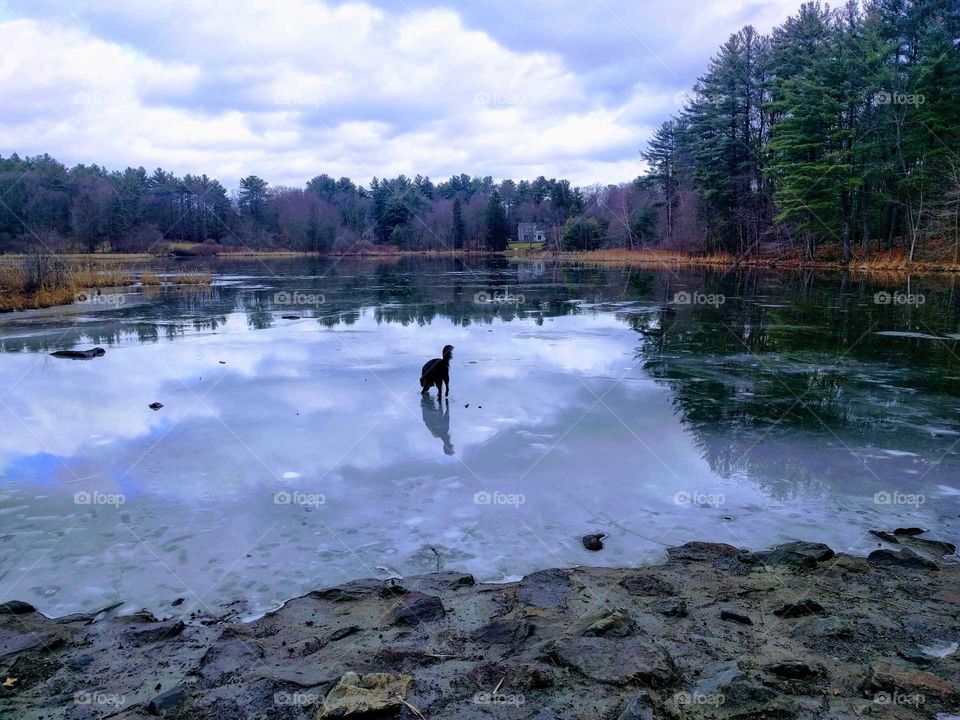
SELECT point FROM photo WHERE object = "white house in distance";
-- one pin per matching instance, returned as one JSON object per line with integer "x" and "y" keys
{"x": 531, "y": 233}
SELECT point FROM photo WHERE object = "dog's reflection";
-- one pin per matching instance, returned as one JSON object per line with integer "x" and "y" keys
{"x": 436, "y": 416}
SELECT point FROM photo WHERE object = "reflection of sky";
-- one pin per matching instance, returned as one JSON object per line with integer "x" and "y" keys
{"x": 559, "y": 413}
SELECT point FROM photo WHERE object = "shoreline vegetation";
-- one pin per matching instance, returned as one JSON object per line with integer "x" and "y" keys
{"x": 713, "y": 633}
{"x": 37, "y": 281}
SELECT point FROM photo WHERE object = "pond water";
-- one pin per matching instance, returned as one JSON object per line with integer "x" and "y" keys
{"x": 293, "y": 450}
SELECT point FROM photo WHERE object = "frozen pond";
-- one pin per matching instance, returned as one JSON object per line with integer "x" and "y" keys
{"x": 293, "y": 454}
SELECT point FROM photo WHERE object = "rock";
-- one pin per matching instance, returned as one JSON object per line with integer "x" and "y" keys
{"x": 289, "y": 317}
{"x": 79, "y": 663}
{"x": 669, "y": 608}
{"x": 516, "y": 676}
{"x": 155, "y": 405}
{"x": 547, "y": 589}
{"x": 885, "y": 676}
{"x": 909, "y": 531}
{"x": 780, "y": 557}
{"x": 594, "y": 542}
{"x": 80, "y": 354}
{"x": 640, "y": 708}
{"x": 615, "y": 624}
{"x": 168, "y": 703}
{"x": 647, "y": 584}
{"x": 416, "y": 608}
{"x": 16, "y": 607}
{"x": 503, "y": 632}
{"x": 355, "y": 590}
{"x": 616, "y": 661}
{"x": 804, "y": 608}
{"x": 939, "y": 547}
{"x": 906, "y": 558}
{"x": 155, "y": 632}
{"x": 357, "y": 696}
{"x": 13, "y": 643}
{"x": 916, "y": 656}
{"x": 827, "y": 627}
{"x": 794, "y": 670}
{"x": 177, "y": 603}
{"x": 703, "y": 551}
{"x": 716, "y": 676}
{"x": 818, "y": 551}
{"x": 229, "y": 656}
{"x": 885, "y": 536}
{"x": 735, "y": 617}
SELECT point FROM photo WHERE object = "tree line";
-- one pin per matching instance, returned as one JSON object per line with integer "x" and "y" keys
{"x": 44, "y": 204}
{"x": 839, "y": 132}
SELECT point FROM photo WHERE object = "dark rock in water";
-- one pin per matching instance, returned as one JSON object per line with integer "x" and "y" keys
{"x": 818, "y": 551}
{"x": 159, "y": 631}
{"x": 702, "y": 551}
{"x": 169, "y": 703}
{"x": 355, "y": 590}
{"x": 80, "y": 354}
{"x": 735, "y": 617}
{"x": 885, "y": 536}
{"x": 416, "y": 608}
{"x": 804, "y": 608}
{"x": 909, "y": 531}
{"x": 503, "y": 632}
{"x": 547, "y": 589}
{"x": 940, "y": 547}
{"x": 594, "y": 542}
{"x": 155, "y": 405}
{"x": 177, "y": 603}
{"x": 289, "y": 317}
{"x": 782, "y": 557}
{"x": 647, "y": 584}
{"x": 794, "y": 670}
{"x": 640, "y": 708}
{"x": 16, "y": 607}
{"x": 906, "y": 558}
{"x": 616, "y": 661}
{"x": 669, "y": 608}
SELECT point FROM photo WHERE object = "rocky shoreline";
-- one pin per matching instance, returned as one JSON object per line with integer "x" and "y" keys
{"x": 715, "y": 632}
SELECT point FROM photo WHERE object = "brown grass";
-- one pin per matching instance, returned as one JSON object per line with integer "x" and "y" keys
{"x": 151, "y": 279}
{"x": 46, "y": 280}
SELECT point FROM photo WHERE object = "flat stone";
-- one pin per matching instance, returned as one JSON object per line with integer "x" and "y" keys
{"x": 155, "y": 631}
{"x": 357, "y": 696}
{"x": 415, "y": 608}
{"x": 547, "y": 589}
{"x": 702, "y": 551}
{"x": 818, "y": 551}
{"x": 669, "y": 608}
{"x": 615, "y": 624}
{"x": 168, "y": 703}
{"x": 731, "y": 616}
{"x": 782, "y": 557}
{"x": 616, "y": 661}
{"x": 716, "y": 676}
{"x": 351, "y": 591}
{"x": 906, "y": 558}
{"x": 646, "y": 584}
{"x": 503, "y": 632}
{"x": 12, "y": 643}
{"x": 909, "y": 531}
{"x": 229, "y": 656}
{"x": 887, "y": 676}
{"x": 793, "y": 670}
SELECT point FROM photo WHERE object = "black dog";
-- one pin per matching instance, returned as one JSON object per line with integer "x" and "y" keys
{"x": 437, "y": 372}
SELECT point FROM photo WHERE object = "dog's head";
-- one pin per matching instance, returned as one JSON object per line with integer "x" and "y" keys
{"x": 447, "y": 352}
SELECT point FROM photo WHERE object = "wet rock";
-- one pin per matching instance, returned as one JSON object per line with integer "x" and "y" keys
{"x": 228, "y": 657}
{"x": 503, "y": 632}
{"x": 906, "y": 558}
{"x": 614, "y": 661}
{"x": 80, "y": 663}
{"x": 909, "y": 531}
{"x": 938, "y": 547}
{"x": 703, "y": 551}
{"x": 80, "y": 354}
{"x": 669, "y": 608}
{"x": 515, "y": 676}
{"x": 647, "y": 584}
{"x": 155, "y": 405}
{"x": 736, "y": 617}
{"x": 824, "y": 627}
{"x": 357, "y": 696}
{"x": 289, "y": 317}
{"x": 169, "y": 703}
{"x": 818, "y": 551}
{"x": 716, "y": 676}
{"x": 885, "y": 536}
{"x": 416, "y": 608}
{"x": 16, "y": 607}
{"x": 915, "y": 656}
{"x": 351, "y": 591}
{"x": 639, "y": 708}
{"x": 802, "y": 608}
{"x": 615, "y": 624}
{"x": 594, "y": 542}
{"x": 886, "y": 676}
{"x": 13, "y": 643}
{"x": 547, "y": 589}
{"x": 780, "y": 557}
{"x": 158, "y": 631}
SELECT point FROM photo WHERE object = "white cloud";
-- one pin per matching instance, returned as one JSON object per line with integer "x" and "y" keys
{"x": 292, "y": 88}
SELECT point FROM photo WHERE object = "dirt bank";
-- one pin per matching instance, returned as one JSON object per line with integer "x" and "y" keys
{"x": 715, "y": 632}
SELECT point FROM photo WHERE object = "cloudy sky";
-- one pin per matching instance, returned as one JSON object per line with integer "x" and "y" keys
{"x": 288, "y": 89}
